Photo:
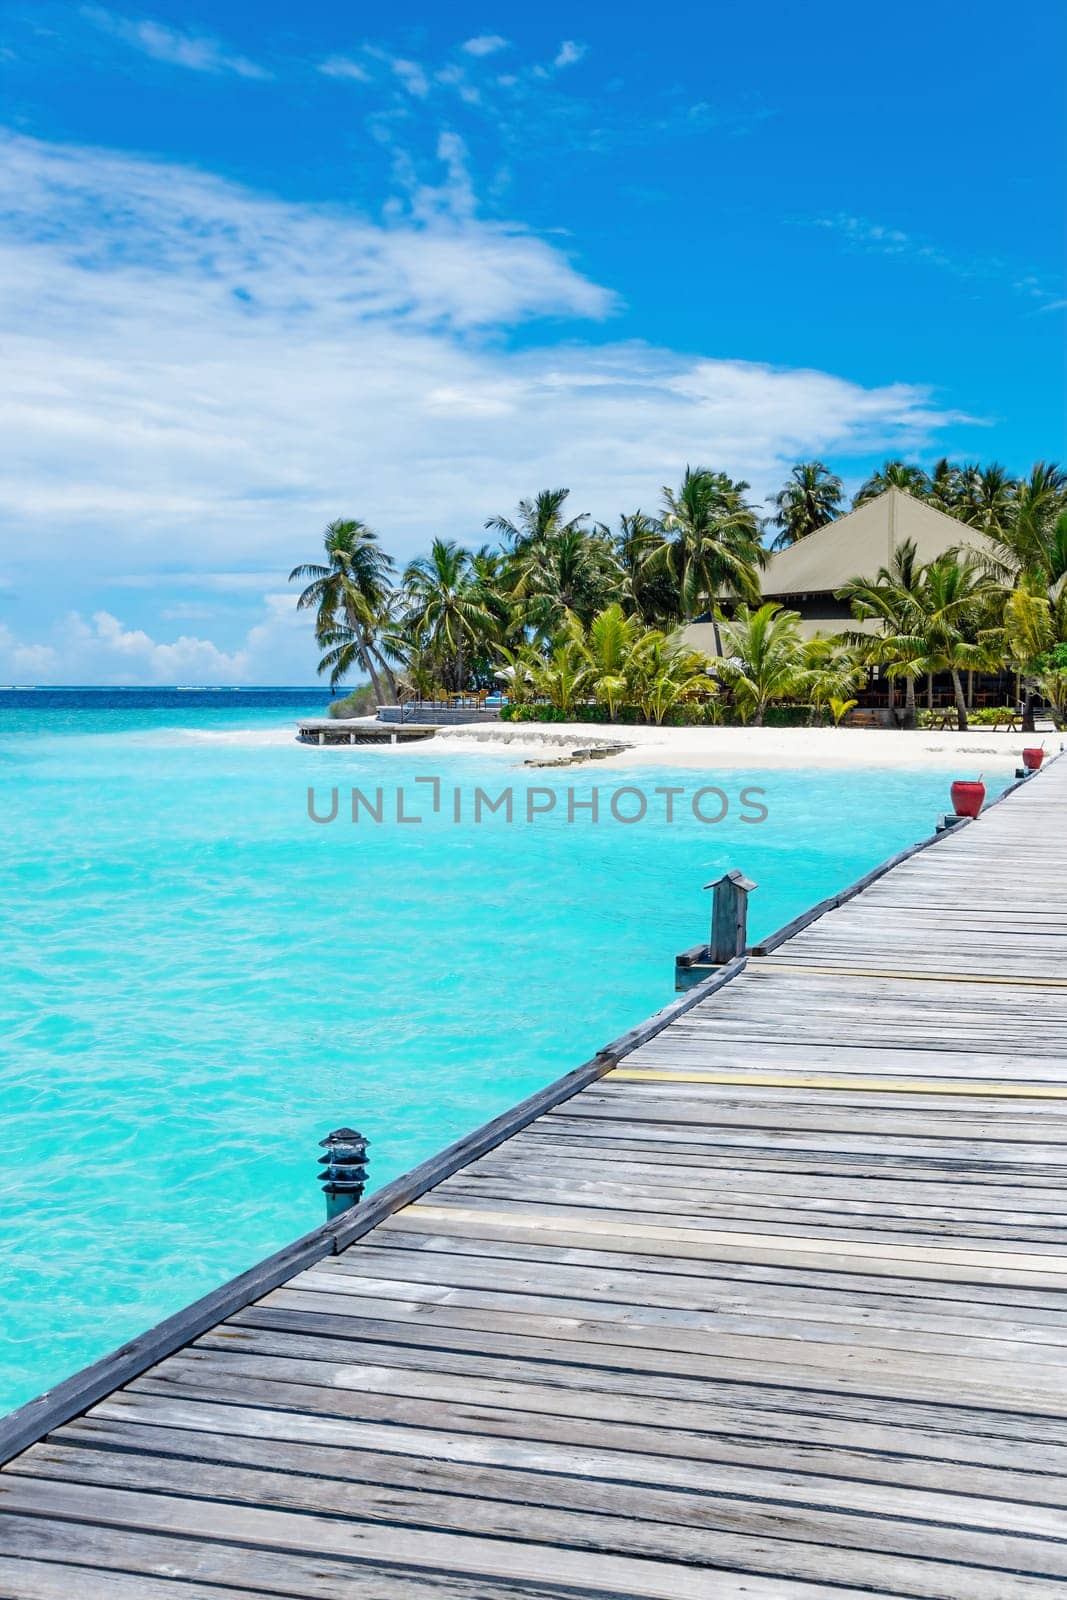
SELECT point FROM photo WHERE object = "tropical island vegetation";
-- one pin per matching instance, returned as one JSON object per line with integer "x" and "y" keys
{"x": 572, "y": 619}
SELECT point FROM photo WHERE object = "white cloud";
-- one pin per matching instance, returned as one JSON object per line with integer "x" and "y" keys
{"x": 412, "y": 76}
{"x": 454, "y": 77}
{"x": 198, "y": 52}
{"x": 485, "y": 44}
{"x": 197, "y": 378}
{"x": 345, "y": 67}
{"x": 878, "y": 239}
{"x": 26, "y": 663}
{"x": 277, "y": 648}
{"x": 569, "y": 52}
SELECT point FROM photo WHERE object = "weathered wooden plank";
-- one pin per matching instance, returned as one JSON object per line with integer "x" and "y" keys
{"x": 987, "y": 1265}
{"x": 640, "y": 1488}
{"x": 575, "y": 1303}
{"x": 690, "y": 1531}
{"x": 469, "y": 1240}
{"x": 637, "y": 1578}
{"x": 867, "y": 1370}
{"x": 779, "y": 1410}
{"x": 981, "y": 1362}
{"x": 844, "y": 1219}
{"x": 105, "y": 1556}
{"x": 27, "y": 1579}
{"x": 877, "y": 1454}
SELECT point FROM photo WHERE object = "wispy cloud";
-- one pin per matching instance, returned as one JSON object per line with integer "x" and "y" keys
{"x": 570, "y": 52}
{"x": 197, "y": 374}
{"x": 485, "y": 44}
{"x": 1044, "y": 299}
{"x": 413, "y": 76}
{"x": 345, "y": 67}
{"x": 198, "y": 52}
{"x": 874, "y": 237}
{"x": 531, "y": 114}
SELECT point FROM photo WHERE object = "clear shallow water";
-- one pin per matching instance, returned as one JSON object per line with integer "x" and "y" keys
{"x": 197, "y": 982}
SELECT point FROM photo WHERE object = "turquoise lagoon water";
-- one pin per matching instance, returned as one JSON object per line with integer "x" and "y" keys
{"x": 198, "y": 982}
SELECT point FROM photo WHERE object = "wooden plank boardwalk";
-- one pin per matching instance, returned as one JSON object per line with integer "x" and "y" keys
{"x": 775, "y": 1309}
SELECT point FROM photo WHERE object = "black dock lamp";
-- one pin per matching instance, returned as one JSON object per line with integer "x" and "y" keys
{"x": 344, "y": 1175}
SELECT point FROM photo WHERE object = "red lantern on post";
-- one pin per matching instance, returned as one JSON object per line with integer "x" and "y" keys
{"x": 1033, "y": 757}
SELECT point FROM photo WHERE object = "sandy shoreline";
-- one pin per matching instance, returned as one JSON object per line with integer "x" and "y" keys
{"x": 980, "y": 749}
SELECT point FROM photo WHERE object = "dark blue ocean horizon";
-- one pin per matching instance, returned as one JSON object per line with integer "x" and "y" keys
{"x": 105, "y": 708}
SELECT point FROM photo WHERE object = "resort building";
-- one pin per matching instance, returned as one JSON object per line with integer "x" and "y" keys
{"x": 806, "y": 576}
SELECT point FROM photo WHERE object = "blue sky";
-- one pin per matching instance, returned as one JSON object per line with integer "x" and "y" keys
{"x": 265, "y": 265}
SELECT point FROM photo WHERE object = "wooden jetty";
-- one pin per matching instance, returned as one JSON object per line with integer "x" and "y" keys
{"x": 768, "y": 1300}
{"x": 342, "y": 730}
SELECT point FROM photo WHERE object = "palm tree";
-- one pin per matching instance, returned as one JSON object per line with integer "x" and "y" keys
{"x": 445, "y": 610}
{"x": 610, "y": 646}
{"x": 522, "y": 662}
{"x": 986, "y": 497}
{"x": 832, "y": 672}
{"x": 537, "y": 519}
{"x": 661, "y": 673}
{"x": 653, "y": 593}
{"x": 1052, "y": 681}
{"x": 489, "y": 581}
{"x": 765, "y": 658}
{"x": 709, "y": 542}
{"x": 349, "y": 592}
{"x": 568, "y": 573}
{"x": 893, "y": 475}
{"x": 1026, "y": 543}
{"x": 810, "y": 500}
{"x": 954, "y": 598}
{"x": 892, "y": 600}
{"x": 563, "y": 675}
{"x": 944, "y": 485}
{"x": 1035, "y": 615}
{"x": 1029, "y": 561}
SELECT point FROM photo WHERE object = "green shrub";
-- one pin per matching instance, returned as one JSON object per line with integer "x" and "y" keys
{"x": 701, "y": 714}
{"x": 986, "y": 716}
{"x": 787, "y": 716}
{"x": 360, "y": 703}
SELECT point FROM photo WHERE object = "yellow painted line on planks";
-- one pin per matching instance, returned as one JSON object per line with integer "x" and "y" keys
{"x": 774, "y": 1080}
{"x": 634, "y": 1227}
{"x": 768, "y": 963}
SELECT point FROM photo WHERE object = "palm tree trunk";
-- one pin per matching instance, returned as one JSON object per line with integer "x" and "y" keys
{"x": 961, "y": 700}
{"x": 368, "y": 667}
{"x": 910, "y": 714}
{"x": 364, "y": 653}
{"x": 390, "y": 676}
{"x": 1028, "y": 709}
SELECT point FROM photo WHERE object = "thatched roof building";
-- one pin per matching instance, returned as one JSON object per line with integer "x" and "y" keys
{"x": 805, "y": 576}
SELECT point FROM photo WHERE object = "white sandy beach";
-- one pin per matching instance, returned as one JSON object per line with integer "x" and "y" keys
{"x": 964, "y": 754}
